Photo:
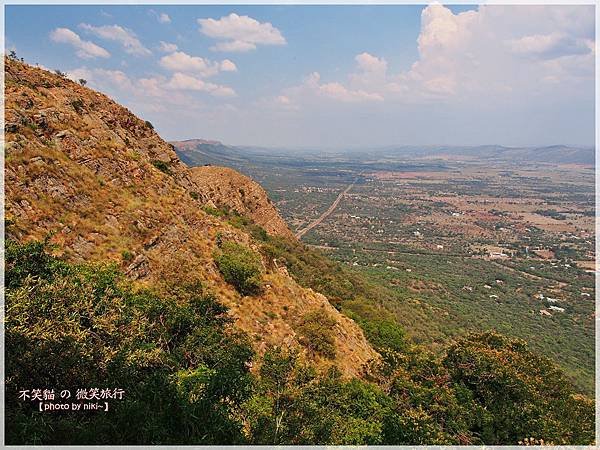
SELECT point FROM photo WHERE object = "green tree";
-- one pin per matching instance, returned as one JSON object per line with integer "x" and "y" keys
{"x": 240, "y": 267}
{"x": 524, "y": 393}
{"x": 183, "y": 369}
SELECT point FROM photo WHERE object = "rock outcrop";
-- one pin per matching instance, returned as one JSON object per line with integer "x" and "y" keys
{"x": 229, "y": 188}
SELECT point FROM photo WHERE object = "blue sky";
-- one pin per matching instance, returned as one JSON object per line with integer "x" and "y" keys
{"x": 330, "y": 76}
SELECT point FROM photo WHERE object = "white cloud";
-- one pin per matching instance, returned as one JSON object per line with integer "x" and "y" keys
{"x": 337, "y": 91}
{"x": 482, "y": 51}
{"x": 181, "y": 81}
{"x": 370, "y": 63}
{"x": 85, "y": 49}
{"x": 115, "y": 78}
{"x": 152, "y": 93}
{"x": 127, "y": 38}
{"x": 240, "y": 33}
{"x": 222, "y": 91}
{"x": 161, "y": 17}
{"x": 228, "y": 66}
{"x": 167, "y": 47}
{"x": 233, "y": 46}
{"x": 550, "y": 46}
{"x": 182, "y": 62}
{"x": 498, "y": 52}
{"x": 313, "y": 87}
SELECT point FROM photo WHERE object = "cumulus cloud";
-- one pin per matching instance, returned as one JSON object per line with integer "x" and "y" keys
{"x": 126, "y": 38}
{"x": 228, "y": 66}
{"x": 182, "y": 62}
{"x": 240, "y": 33}
{"x": 313, "y": 87}
{"x": 550, "y": 46}
{"x": 337, "y": 91}
{"x": 161, "y": 17}
{"x": 494, "y": 51}
{"x": 370, "y": 63}
{"x": 167, "y": 47}
{"x": 164, "y": 18}
{"x": 84, "y": 49}
{"x": 165, "y": 90}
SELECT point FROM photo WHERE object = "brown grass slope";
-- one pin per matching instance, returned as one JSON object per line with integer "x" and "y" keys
{"x": 227, "y": 187}
{"x": 105, "y": 186}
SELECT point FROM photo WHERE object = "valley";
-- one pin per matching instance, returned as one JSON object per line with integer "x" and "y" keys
{"x": 458, "y": 245}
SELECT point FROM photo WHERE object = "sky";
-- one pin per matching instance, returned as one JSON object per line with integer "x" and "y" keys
{"x": 330, "y": 76}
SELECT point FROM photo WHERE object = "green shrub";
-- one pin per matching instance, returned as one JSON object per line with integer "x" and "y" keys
{"x": 77, "y": 106}
{"x": 217, "y": 212}
{"x": 162, "y": 166}
{"x": 126, "y": 255}
{"x": 183, "y": 369}
{"x": 240, "y": 267}
{"x": 316, "y": 333}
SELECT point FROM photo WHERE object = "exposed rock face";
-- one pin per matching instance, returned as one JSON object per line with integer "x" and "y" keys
{"x": 227, "y": 187}
{"x": 105, "y": 186}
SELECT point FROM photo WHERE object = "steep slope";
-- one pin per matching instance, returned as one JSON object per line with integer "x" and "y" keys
{"x": 226, "y": 187}
{"x": 104, "y": 186}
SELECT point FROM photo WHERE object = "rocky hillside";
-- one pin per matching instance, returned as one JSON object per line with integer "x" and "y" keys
{"x": 226, "y": 187}
{"x": 104, "y": 186}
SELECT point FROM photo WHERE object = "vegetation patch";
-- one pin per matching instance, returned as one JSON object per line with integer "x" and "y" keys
{"x": 240, "y": 266}
{"x": 70, "y": 326}
{"x": 162, "y": 166}
{"x": 316, "y": 333}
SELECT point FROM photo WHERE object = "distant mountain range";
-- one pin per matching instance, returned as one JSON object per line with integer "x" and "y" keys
{"x": 554, "y": 154}
{"x": 201, "y": 151}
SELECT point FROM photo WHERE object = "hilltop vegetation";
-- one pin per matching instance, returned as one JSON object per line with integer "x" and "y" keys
{"x": 185, "y": 374}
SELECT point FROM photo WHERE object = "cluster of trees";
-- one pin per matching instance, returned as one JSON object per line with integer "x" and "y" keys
{"x": 187, "y": 379}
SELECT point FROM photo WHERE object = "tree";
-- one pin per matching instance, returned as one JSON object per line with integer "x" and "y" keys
{"x": 82, "y": 81}
{"x": 183, "y": 369}
{"x": 525, "y": 394}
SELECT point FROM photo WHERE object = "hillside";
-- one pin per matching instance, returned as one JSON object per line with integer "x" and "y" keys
{"x": 105, "y": 186}
{"x": 228, "y": 188}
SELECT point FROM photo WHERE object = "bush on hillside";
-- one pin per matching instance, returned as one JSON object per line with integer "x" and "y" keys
{"x": 183, "y": 369}
{"x": 316, "y": 333}
{"x": 240, "y": 266}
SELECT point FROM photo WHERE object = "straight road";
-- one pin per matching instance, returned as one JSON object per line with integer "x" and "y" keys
{"x": 331, "y": 208}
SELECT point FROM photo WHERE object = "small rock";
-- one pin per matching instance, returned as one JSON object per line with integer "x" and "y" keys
{"x": 11, "y": 127}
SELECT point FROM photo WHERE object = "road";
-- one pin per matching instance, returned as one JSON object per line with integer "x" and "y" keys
{"x": 331, "y": 208}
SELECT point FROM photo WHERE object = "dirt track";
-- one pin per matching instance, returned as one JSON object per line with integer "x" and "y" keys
{"x": 324, "y": 216}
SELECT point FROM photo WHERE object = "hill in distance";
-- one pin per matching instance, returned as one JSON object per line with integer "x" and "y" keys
{"x": 199, "y": 151}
